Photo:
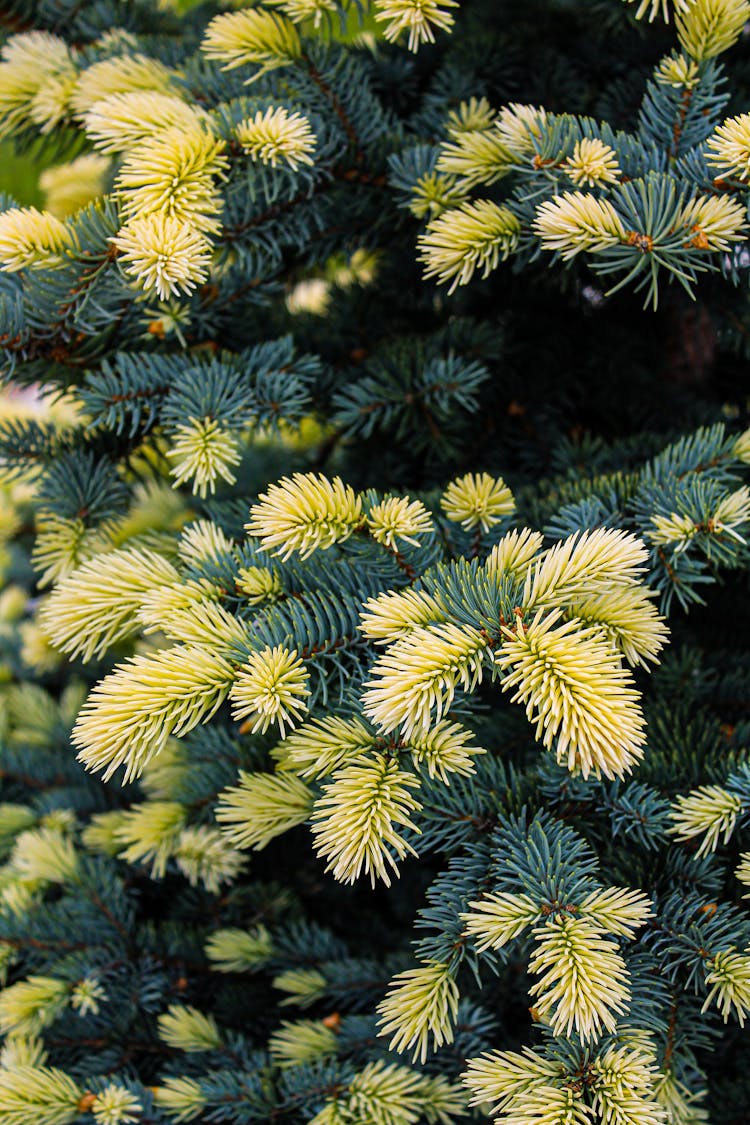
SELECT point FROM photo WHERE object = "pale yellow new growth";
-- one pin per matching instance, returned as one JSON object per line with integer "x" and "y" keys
{"x": 45, "y": 853}
{"x": 583, "y": 564}
{"x": 678, "y": 529}
{"x": 575, "y": 689}
{"x": 476, "y": 157}
{"x": 42, "y": 1095}
{"x": 114, "y": 39}
{"x": 171, "y": 174}
{"x": 204, "y": 856}
{"x": 397, "y": 613}
{"x": 239, "y": 951}
{"x": 742, "y": 872}
{"x": 443, "y": 1100}
{"x": 203, "y": 541}
{"x": 443, "y": 750}
{"x": 622, "y": 1082}
{"x": 116, "y": 1105}
{"x": 31, "y": 239}
{"x": 387, "y": 1094}
{"x": 303, "y": 987}
{"x": 321, "y": 746}
{"x": 11, "y": 523}
{"x": 251, "y": 37}
{"x": 63, "y": 544}
{"x": 398, "y": 517}
{"x": 312, "y": 295}
{"x": 415, "y": 680}
{"x": 677, "y": 70}
{"x": 163, "y": 254}
{"x": 68, "y": 187}
{"x": 304, "y": 513}
{"x": 271, "y": 687}
{"x": 616, "y": 910}
{"x": 32, "y": 1004}
{"x": 131, "y": 713}
{"x": 58, "y": 820}
{"x": 163, "y": 319}
{"x": 100, "y": 834}
{"x": 87, "y": 996}
{"x": 203, "y": 452}
{"x": 155, "y": 507}
{"x": 51, "y": 102}
{"x": 656, "y": 7}
{"x": 582, "y": 987}
{"x": 553, "y": 1105}
{"x": 277, "y": 135}
{"x": 206, "y": 624}
{"x": 300, "y": 1042}
{"x": 119, "y": 75}
{"x": 180, "y": 1098}
{"x": 730, "y": 512}
{"x": 498, "y": 1078}
{"x": 36, "y": 652}
{"x": 472, "y": 116}
{"x": 477, "y": 235}
{"x": 419, "y": 1010}
{"x": 262, "y": 806}
{"x": 14, "y": 819}
{"x": 519, "y": 126}
{"x": 706, "y": 28}
{"x": 36, "y": 73}
{"x": 38, "y": 50}
{"x": 13, "y": 599}
{"x": 148, "y": 833}
{"x": 678, "y": 1101}
{"x": 514, "y": 552}
{"x": 631, "y": 620}
{"x": 97, "y": 605}
{"x": 187, "y": 1029}
{"x": 22, "y": 1050}
{"x": 498, "y": 918}
{"x": 741, "y": 448}
{"x": 120, "y": 121}
{"x": 575, "y": 222}
{"x": 477, "y": 500}
{"x": 300, "y": 10}
{"x": 592, "y": 163}
{"x": 434, "y": 193}
{"x": 671, "y": 530}
{"x": 258, "y": 584}
{"x": 729, "y": 984}
{"x": 713, "y": 222}
{"x": 729, "y": 147}
{"x": 420, "y": 18}
{"x": 709, "y": 811}
{"x": 354, "y": 820}
{"x": 162, "y": 602}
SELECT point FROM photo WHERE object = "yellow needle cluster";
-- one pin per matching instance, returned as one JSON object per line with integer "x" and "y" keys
{"x": 419, "y": 19}
{"x": 583, "y": 983}
{"x": 586, "y": 614}
{"x": 619, "y": 1084}
{"x": 474, "y": 236}
{"x": 577, "y": 613}
{"x": 707, "y": 28}
{"x": 277, "y": 135}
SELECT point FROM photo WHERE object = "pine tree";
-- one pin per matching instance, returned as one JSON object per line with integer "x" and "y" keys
{"x": 373, "y": 540}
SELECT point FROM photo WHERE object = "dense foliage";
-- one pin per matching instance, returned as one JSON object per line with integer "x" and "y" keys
{"x": 374, "y": 622}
